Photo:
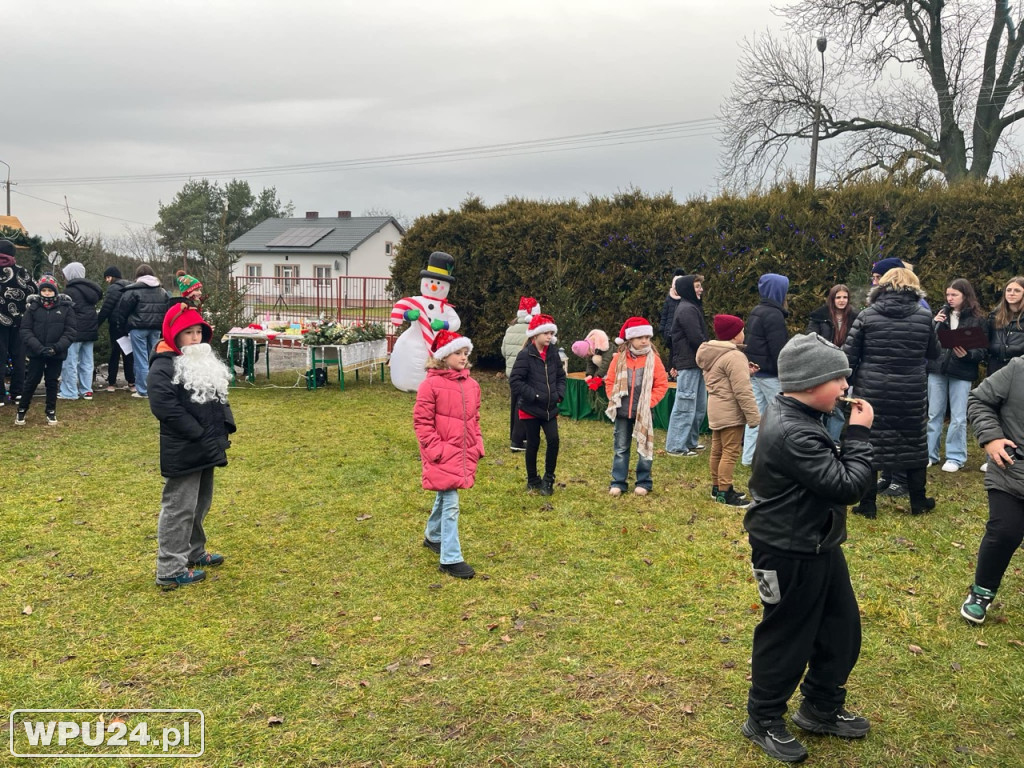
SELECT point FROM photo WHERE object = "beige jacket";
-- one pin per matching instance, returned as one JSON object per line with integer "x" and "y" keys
{"x": 727, "y": 376}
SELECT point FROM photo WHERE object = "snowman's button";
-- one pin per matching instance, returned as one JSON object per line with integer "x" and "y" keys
{"x": 430, "y": 306}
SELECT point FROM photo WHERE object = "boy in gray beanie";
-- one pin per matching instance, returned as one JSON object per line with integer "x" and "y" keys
{"x": 802, "y": 483}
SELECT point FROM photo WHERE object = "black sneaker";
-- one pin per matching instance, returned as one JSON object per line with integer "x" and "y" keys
{"x": 927, "y": 505}
{"x": 19, "y": 419}
{"x": 976, "y": 605}
{"x": 867, "y": 509}
{"x": 51, "y": 417}
{"x": 714, "y": 492}
{"x": 533, "y": 485}
{"x": 882, "y": 483}
{"x": 841, "y": 723}
{"x": 895, "y": 491}
{"x": 547, "y": 486}
{"x": 517, "y": 447}
{"x": 433, "y": 546}
{"x": 733, "y": 499}
{"x": 461, "y": 570}
{"x": 774, "y": 738}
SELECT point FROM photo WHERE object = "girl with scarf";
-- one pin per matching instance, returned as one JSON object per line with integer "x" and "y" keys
{"x": 636, "y": 383}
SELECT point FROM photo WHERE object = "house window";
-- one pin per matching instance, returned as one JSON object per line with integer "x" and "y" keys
{"x": 286, "y": 276}
{"x": 253, "y": 271}
{"x": 323, "y": 276}
{"x": 387, "y": 248}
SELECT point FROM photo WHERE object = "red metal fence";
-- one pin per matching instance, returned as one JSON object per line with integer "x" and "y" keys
{"x": 293, "y": 299}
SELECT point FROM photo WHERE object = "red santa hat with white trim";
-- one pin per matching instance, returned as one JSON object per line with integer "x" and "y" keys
{"x": 634, "y": 328}
{"x": 528, "y": 307}
{"x": 541, "y": 324}
{"x": 447, "y": 342}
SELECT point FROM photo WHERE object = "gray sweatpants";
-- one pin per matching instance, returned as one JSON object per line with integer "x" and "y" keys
{"x": 180, "y": 535}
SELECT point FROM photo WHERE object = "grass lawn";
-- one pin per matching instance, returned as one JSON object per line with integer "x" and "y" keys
{"x": 598, "y": 632}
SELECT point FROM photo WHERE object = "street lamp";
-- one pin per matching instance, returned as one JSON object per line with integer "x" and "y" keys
{"x": 8, "y": 188}
{"x": 822, "y": 44}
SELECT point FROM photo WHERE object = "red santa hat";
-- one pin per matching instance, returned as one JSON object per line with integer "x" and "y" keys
{"x": 634, "y": 328}
{"x": 447, "y": 342}
{"x": 541, "y": 324}
{"x": 528, "y": 307}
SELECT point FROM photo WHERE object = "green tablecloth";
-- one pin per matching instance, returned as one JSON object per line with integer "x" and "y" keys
{"x": 579, "y": 402}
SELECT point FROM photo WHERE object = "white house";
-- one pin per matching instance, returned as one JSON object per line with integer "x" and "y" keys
{"x": 318, "y": 247}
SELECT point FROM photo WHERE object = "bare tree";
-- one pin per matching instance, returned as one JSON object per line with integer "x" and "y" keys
{"x": 912, "y": 86}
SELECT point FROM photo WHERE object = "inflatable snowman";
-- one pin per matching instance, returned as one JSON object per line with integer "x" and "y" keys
{"x": 426, "y": 314}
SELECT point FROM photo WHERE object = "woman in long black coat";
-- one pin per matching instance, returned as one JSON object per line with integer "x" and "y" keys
{"x": 888, "y": 347}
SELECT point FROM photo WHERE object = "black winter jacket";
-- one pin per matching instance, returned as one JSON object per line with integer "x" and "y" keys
{"x": 108, "y": 311}
{"x": 538, "y": 385}
{"x": 193, "y": 437}
{"x": 53, "y": 327}
{"x": 1004, "y": 343}
{"x": 689, "y": 329}
{"x": 765, "y": 335}
{"x": 963, "y": 368}
{"x": 820, "y": 322}
{"x": 888, "y": 347}
{"x": 16, "y": 286}
{"x": 84, "y": 295}
{"x": 801, "y": 482}
{"x": 668, "y": 314}
{"x": 142, "y": 307}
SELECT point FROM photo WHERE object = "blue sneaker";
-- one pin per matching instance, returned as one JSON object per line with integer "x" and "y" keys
{"x": 191, "y": 576}
{"x": 208, "y": 560}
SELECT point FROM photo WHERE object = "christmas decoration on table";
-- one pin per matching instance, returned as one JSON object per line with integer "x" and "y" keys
{"x": 331, "y": 333}
{"x": 596, "y": 350}
{"x": 427, "y": 314}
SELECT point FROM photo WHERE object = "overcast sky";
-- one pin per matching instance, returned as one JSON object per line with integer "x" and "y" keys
{"x": 116, "y": 88}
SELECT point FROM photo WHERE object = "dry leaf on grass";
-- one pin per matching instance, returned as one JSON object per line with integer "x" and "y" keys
{"x": 506, "y": 639}
{"x": 915, "y": 649}
{"x": 314, "y": 662}
{"x": 424, "y": 662}
{"x": 956, "y": 667}
{"x": 275, "y": 720}
{"x": 363, "y": 517}
{"x": 393, "y": 667}
{"x": 27, "y": 610}
{"x": 981, "y": 644}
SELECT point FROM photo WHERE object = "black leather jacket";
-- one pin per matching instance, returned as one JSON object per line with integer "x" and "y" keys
{"x": 802, "y": 482}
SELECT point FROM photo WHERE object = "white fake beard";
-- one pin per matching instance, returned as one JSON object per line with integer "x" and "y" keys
{"x": 202, "y": 374}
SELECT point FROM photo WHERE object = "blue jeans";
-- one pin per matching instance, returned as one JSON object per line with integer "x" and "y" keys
{"x": 943, "y": 389}
{"x": 620, "y": 464}
{"x": 443, "y": 526}
{"x": 76, "y": 373}
{"x": 144, "y": 341}
{"x": 836, "y": 420}
{"x": 765, "y": 390}
{"x": 688, "y": 413}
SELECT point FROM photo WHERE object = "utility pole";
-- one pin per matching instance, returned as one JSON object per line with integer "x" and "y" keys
{"x": 822, "y": 44}
{"x": 8, "y": 188}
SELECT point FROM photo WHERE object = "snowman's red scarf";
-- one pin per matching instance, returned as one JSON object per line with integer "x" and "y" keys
{"x": 403, "y": 305}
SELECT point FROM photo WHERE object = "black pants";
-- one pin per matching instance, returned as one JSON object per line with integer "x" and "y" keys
{"x": 917, "y": 480}
{"x": 532, "y": 427}
{"x": 10, "y": 346}
{"x": 516, "y": 433}
{"x": 812, "y": 623}
{"x": 116, "y": 353}
{"x": 1004, "y": 532}
{"x": 37, "y": 368}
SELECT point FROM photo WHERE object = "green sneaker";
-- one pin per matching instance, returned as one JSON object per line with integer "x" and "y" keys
{"x": 976, "y": 605}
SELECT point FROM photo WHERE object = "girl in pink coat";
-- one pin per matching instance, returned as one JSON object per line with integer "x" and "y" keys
{"x": 447, "y": 422}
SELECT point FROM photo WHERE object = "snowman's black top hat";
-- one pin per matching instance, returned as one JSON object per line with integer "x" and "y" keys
{"x": 440, "y": 267}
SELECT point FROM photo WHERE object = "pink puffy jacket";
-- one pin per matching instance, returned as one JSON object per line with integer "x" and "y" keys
{"x": 447, "y": 421}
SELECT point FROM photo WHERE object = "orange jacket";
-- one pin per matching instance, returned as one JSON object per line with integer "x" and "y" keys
{"x": 635, "y": 365}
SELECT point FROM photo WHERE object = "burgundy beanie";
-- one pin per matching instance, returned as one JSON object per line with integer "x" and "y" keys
{"x": 727, "y": 327}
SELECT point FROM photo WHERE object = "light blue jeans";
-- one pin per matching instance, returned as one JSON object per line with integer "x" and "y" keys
{"x": 943, "y": 390}
{"x": 620, "y": 464}
{"x": 144, "y": 341}
{"x": 76, "y": 372}
{"x": 443, "y": 526}
{"x": 765, "y": 390}
{"x": 688, "y": 413}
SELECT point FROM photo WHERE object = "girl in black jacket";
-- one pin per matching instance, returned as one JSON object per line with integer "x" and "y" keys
{"x": 950, "y": 376}
{"x": 832, "y": 322}
{"x": 1006, "y": 326}
{"x": 538, "y": 386}
{"x": 47, "y": 330}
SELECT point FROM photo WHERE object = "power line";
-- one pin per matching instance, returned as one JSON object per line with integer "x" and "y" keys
{"x": 81, "y": 210}
{"x": 636, "y": 135}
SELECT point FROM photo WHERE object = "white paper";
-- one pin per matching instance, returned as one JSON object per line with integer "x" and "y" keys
{"x": 125, "y": 344}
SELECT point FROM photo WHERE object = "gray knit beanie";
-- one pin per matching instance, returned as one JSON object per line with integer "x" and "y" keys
{"x": 808, "y": 360}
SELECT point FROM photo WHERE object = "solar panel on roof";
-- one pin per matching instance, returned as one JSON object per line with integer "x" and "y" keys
{"x": 300, "y": 237}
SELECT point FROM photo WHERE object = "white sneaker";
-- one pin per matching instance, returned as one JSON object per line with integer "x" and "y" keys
{"x": 984, "y": 467}
{"x": 950, "y": 466}
{"x": 613, "y": 491}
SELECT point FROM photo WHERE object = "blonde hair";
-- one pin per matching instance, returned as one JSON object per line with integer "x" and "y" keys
{"x": 433, "y": 362}
{"x": 900, "y": 278}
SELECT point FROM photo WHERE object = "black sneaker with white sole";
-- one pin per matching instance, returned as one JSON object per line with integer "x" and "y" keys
{"x": 774, "y": 738}
{"x": 841, "y": 723}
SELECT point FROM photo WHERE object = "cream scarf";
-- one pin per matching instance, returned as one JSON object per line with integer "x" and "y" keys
{"x": 643, "y": 429}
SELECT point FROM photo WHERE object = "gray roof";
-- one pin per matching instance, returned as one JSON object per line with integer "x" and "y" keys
{"x": 346, "y": 235}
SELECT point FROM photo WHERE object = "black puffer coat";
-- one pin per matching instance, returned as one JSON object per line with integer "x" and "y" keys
{"x": 820, "y": 322}
{"x": 193, "y": 437}
{"x": 142, "y": 307}
{"x": 53, "y": 327}
{"x": 888, "y": 348}
{"x": 963, "y": 368}
{"x": 109, "y": 309}
{"x": 689, "y": 328}
{"x": 84, "y": 295}
{"x": 538, "y": 384}
{"x": 1004, "y": 343}
{"x": 766, "y": 335}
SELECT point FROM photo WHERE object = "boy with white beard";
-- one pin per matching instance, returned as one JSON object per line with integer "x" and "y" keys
{"x": 188, "y": 393}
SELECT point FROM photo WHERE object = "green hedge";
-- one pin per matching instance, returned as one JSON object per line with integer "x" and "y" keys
{"x": 594, "y": 264}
